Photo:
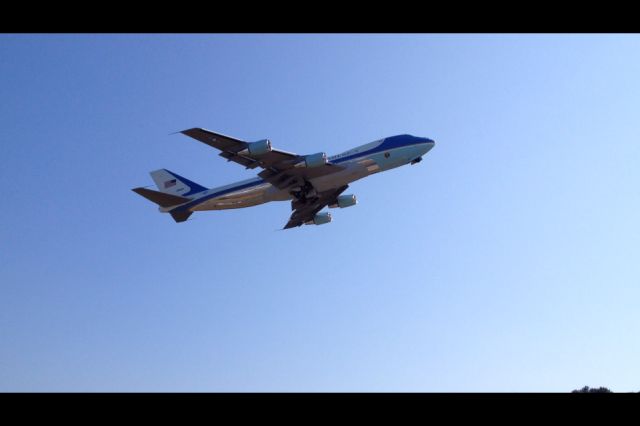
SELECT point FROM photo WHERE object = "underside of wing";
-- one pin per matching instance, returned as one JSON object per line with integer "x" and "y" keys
{"x": 239, "y": 151}
{"x": 295, "y": 176}
{"x": 305, "y": 210}
{"x": 281, "y": 169}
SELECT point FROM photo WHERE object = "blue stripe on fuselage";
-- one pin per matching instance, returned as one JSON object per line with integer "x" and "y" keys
{"x": 217, "y": 194}
{"x": 387, "y": 144}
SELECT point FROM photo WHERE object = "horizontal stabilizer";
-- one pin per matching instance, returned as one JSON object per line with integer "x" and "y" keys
{"x": 160, "y": 198}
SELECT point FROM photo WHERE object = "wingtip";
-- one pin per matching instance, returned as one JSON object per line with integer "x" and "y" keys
{"x": 187, "y": 131}
{"x": 184, "y": 132}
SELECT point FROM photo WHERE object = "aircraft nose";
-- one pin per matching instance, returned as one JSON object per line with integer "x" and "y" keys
{"x": 430, "y": 143}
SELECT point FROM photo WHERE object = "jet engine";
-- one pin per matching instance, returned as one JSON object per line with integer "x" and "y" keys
{"x": 345, "y": 201}
{"x": 313, "y": 160}
{"x": 320, "y": 219}
{"x": 257, "y": 148}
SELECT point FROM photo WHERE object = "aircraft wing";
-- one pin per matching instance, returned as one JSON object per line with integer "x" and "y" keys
{"x": 304, "y": 211}
{"x": 279, "y": 166}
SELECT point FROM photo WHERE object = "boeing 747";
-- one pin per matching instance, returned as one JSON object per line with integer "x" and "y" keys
{"x": 310, "y": 182}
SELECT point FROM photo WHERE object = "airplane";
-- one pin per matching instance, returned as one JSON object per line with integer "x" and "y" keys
{"x": 310, "y": 182}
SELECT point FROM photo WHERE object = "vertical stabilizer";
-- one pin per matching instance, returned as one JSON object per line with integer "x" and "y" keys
{"x": 174, "y": 184}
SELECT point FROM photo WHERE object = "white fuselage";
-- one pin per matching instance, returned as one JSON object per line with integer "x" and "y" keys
{"x": 360, "y": 162}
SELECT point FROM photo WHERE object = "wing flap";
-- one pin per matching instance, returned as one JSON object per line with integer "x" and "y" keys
{"x": 247, "y": 162}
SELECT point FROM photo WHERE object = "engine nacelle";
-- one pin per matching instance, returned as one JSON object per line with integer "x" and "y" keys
{"x": 257, "y": 148}
{"x": 345, "y": 201}
{"x": 315, "y": 160}
{"x": 320, "y": 219}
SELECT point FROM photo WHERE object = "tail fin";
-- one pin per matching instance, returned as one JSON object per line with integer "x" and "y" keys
{"x": 174, "y": 184}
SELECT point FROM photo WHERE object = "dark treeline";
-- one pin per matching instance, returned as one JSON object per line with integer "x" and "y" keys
{"x": 587, "y": 389}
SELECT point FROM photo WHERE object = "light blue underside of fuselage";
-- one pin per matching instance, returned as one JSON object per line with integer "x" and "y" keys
{"x": 360, "y": 162}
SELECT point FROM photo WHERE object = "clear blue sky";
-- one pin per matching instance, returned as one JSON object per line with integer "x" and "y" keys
{"x": 508, "y": 260}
